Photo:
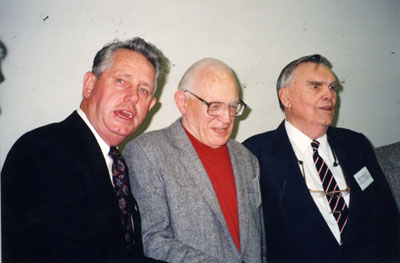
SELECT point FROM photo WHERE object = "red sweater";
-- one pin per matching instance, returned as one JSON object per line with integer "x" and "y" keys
{"x": 217, "y": 164}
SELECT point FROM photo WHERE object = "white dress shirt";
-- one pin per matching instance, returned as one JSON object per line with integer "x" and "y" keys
{"x": 105, "y": 148}
{"x": 301, "y": 144}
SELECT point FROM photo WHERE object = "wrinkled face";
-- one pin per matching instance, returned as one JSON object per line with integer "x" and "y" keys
{"x": 116, "y": 103}
{"x": 213, "y": 85}
{"x": 310, "y": 98}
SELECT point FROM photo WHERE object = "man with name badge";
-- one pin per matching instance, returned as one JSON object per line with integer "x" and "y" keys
{"x": 324, "y": 195}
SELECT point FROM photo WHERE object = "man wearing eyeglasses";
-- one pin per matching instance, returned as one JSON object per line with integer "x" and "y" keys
{"x": 198, "y": 190}
{"x": 324, "y": 195}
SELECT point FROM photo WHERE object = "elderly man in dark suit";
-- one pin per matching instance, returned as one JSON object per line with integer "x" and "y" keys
{"x": 65, "y": 190}
{"x": 199, "y": 189}
{"x": 324, "y": 195}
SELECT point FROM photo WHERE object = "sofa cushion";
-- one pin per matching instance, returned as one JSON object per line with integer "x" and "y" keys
{"x": 389, "y": 158}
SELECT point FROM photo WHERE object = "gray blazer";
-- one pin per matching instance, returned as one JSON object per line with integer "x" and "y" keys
{"x": 181, "y": 217}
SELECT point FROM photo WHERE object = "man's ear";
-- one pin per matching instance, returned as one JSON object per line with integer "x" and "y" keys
{"x": 89, "y": 81}
{"x": 180, "y": 101}
{"x": 152, "y": 103}
{"x": 284, "y": 96}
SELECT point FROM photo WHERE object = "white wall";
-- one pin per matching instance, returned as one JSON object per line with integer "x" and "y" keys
{"x": 51, "y": 44}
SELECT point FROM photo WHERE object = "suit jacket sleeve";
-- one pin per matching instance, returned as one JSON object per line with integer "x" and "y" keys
{"x": 148, "y": 188}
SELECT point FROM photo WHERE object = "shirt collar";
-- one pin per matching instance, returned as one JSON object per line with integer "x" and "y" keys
{"x": 302, "y": 141}
{"x": 105, "y": 148}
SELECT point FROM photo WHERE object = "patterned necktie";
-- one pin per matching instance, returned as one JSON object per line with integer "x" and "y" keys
{"x": 122, "y": 190}
{"x": 335, "y": 200}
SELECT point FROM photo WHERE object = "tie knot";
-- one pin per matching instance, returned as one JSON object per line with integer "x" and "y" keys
{"x": 315, "y": 145}
{"x": 114, "y": 153}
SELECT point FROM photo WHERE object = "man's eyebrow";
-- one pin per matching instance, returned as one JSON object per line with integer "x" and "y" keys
{"x": 333, "y": 83}
{"x": 314, "y": 82}
{"x": 128, "y": 75}
{"x": 319, "y": 83}
{"x": 143, "y": 83}
{"x": 124, "y": 74}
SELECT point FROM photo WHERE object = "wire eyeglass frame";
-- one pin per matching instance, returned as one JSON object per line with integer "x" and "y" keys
{"x": 215, "y": 108}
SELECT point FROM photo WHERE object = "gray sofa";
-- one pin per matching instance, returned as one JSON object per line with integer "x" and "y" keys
{"x": 389, "y": 158}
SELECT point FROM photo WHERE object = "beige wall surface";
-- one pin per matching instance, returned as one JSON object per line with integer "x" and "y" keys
{"x": 51, "y": 44}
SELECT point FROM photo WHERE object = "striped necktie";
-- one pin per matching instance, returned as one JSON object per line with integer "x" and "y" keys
{"x": 333, "y": 194}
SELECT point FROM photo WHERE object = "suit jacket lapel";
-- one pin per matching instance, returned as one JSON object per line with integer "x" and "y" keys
{"x": 294, "y": 193}
{"x": 91, "y": 156}
{"x": 243, "y": 199}
{"x": 195, "y": 171}
{"x": 342, "y": 155}
{"x": 286, "y": 163}
{"x": 94, "y": 170}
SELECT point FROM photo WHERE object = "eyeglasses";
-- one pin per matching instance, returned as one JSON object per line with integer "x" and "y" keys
{"x": 319, "y": 193}
{"x": 217, "y": 108}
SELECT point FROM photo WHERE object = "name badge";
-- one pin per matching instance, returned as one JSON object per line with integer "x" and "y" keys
{"x": 363, "y": 178}
{"x": 256, "y": 183}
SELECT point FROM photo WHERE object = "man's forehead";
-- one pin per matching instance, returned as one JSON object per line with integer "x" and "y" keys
{"x": 215, "y": 80}
{"x": 310, "y": 71}
{"x": 217, "y": 91}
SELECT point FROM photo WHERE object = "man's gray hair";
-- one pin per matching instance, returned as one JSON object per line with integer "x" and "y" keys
{"x": 287, "y": 72}
{"x": 102, "y": 60}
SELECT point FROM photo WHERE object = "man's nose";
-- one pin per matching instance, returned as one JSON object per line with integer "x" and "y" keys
{"x": 329, "y": 93}
{"x": 132, "y": 95}
{"x": 225, "y": 115}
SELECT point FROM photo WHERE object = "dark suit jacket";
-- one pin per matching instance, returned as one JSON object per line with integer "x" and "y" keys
{"x": 58, "y": 203}
{"x": 295, "y": 229}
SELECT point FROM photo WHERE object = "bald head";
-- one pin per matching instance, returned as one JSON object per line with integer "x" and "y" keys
{"x": 202, "y": 68}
